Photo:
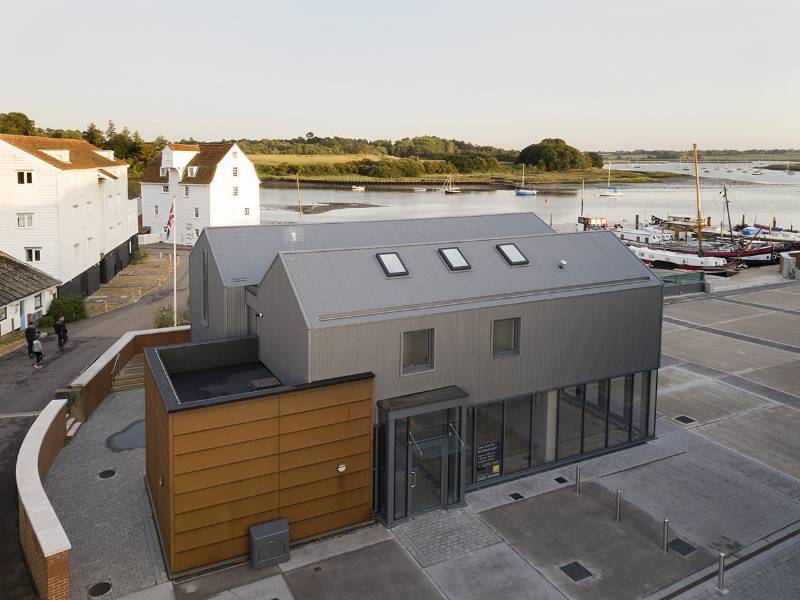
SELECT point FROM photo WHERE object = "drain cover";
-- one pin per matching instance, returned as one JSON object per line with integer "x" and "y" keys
{"x": 516, "y": 496}
{"x": 684, "y": 419}
{"x": 681, "y": 547}
{"x": 99, "y": 589}
{"x": 560, "y": 480}
{"x": 106, "y": 474}
{"x": 318, "y": 569}
{"x": 576, "y": 571}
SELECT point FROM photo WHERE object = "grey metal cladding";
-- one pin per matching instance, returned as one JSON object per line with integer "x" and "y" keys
{"x": 341, "y": 287}
{"x": 245, "y": 253}
{"x": 216, "y": 326}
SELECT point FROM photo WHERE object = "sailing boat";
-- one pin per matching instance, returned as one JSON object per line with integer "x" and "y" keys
{"x": 522, "y": 190}
{"x": 448, "y": 187}
{"x": 609, "y": 191}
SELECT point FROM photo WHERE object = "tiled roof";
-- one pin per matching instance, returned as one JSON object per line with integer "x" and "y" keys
{"x": 206, "y": 162}
{"x": 82, "y": 155}
{"x": 152, "y": 172}
{"x": 19, "y": 280}
{"x": 184, "y": 147}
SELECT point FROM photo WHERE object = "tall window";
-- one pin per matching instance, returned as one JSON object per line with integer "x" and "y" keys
{"x": 246, "y": 211}
{"x": 619, "y": 411}
{"x": 205, "y": 286}
{"x": 76, "y": 250}
{"x": 33, "y": 254}
{"x": 417, "y": 351}
{"x": 24, "y": 219}
{"x": 196, "y": 212}
{"x": 163, "y": 171}
{"x": 155, "y": 210}
{"x": 570, "y": 417}
{"x": 3, "y": 314}
{"x": 24, "y": 177}
{"x": 234, "y": 154}
{"x": 594, "y": 416}
{"x": 186, "y": 191}
{"x": 235, "y": 191}
{"x": 235, "y": 171}
{"x": 37, "y": 301}
{"x": 505, "y": 337}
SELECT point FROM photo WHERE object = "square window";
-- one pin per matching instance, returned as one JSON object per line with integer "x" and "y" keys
{"x": 417, "y": 351}
{"x": 391, "y": 264}
{"x": 24, "y": 219}
{"x": 165, "y": 189}
{"x": 186, "y": 191}
{"x": 505, "y": 337}
{"x": 33, "y": 254}
{"x": 235, "y": 191}
{"x": 37, "y": 301}
{"x": 196, "y": 212}
{"x": 235, "y": 171}
{"x": 512, "y": 254}
{"x": 454, "y": 259}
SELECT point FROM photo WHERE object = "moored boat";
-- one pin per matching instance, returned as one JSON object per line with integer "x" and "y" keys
{"x": 522, "y": 190}
{"x": 655, "y": 257}
{"x": 359, "y": 188}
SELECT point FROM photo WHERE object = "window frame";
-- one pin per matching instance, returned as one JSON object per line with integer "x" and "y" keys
{"x": 443, "y": 254}
{"x": 37, "y": 301}
{"x": 3, "y": 313}
{"x": 163, "y": 172}
{"x": 509, "y": 261}
{"x": 423, "y": 368}
{"x": 34, "y": 252}
{"x": 246, "y": 211}
{"x": 196, "y": 212}
{"x": 385, "y": 269}
{"x": 186, "y": 191}
{"x": 165, "y": 189}
{"x": 517, "y": 326}
{"x": 26, "y": 177}
{"x": 27, "y": 220}
{"x": 235, "y": 171}
{"x": 155, "y": 210}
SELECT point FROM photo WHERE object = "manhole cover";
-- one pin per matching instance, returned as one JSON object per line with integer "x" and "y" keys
{"x": 99, "y": 589}
{"x": 560, "y": 480}
{"x": 516, "y": 496}
{"x": 108, "y": 473}
{"x": 576, "y": 571}
{"x": 318, "y": 569}
{"x": 684, "y": 419}
{"x": 681, "y": 547}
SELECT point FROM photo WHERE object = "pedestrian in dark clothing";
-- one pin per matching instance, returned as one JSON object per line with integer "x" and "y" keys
{"x": 38, "y": 351}
{"x": 60, "y": 328}
{"x": 30, "y": 335}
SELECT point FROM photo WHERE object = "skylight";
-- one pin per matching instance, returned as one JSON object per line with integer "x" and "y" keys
{"x": 454, "y": 260}
{"x": 391, "y": 264}
{"x": 512, "y": 254}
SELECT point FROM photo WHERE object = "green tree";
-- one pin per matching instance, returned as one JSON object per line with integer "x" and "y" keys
{"x": 553, "y": 154}
{"x": 17, "y": 123}
{"x": 596, "y": 159}
{"x": 94, "y": 136}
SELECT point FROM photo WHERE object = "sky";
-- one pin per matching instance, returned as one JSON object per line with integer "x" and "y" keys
{"x": 601, "y": 75}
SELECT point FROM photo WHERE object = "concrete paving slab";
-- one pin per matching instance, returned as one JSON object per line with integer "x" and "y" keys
{"x": 382, "y": 570}
{"x": 493, "y": 572}
{"x": 709, "y": 312}
{"x": 706, "y": 402}
{"x": 768, "y": 435}
{"x": 665, "y": 326}
{"x": 348, "y": 542}
{"x": 789, "y": 299}
{"x": 269, "y": 588}
{"x": 720, "y": 508}
{"x": 775, "y": 327}
{"x": 719, "y": 352}
{"x": 162, "y": 591}
{"x": 216, "y": 582}
{"x": 676, "y": 376}
{"x": 558, "y": 528}
{"x": 791, "y": 289}
{"x": 785, "y": 377}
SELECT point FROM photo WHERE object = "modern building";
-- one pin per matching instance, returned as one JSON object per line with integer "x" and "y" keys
{"x": 25, "y": 294}
{"x": 64, "y": 209}
{"x": 496, "y": 348}
{"x": 210, "y": 184}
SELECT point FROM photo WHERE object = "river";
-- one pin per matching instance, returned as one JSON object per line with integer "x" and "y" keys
{"x": 756, "y": 197}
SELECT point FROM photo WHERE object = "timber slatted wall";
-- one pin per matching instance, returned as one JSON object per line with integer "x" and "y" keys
{"x": 158, "y": 458}
{"x": 251, "y": 461}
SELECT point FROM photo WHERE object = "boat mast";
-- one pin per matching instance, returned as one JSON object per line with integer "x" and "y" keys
{"x": 699, "y": 211}
{"x": 523, "y": 175}
{"x": 728, "y": 209}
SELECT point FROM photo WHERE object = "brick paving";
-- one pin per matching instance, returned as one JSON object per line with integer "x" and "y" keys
{"x": 775, "y": 575}
{"x": 444, "y": 534}
{"x": 108, "y": 521}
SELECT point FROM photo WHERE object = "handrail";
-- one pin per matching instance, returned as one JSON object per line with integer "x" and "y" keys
{"x": 114, "y": 368}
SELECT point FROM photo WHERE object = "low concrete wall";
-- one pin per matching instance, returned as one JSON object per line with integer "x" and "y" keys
{"x": 90, "y": 388}
{"x": 44, "y": 543}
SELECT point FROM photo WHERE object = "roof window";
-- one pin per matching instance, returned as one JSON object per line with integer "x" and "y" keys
{"x": 512, "y": 254}
{"x": 454, "y": 260}
{"x": 191, "y": 171}
{"x": 391, "y": 264}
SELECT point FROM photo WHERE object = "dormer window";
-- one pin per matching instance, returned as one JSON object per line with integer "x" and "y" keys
{"x": 163, "y": 171}
{"x": 191, "y": 171}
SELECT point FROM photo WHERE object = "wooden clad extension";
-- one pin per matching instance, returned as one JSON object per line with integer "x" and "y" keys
{"x": 233, "y": 465}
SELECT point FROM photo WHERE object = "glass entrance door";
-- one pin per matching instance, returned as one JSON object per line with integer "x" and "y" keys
{"x": 428, "y": 461}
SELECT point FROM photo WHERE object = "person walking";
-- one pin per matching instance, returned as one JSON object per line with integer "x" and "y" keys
{"x": 60, "y": 328}
{"x": 38, "y": 352}
{"x": 30, "y": 335}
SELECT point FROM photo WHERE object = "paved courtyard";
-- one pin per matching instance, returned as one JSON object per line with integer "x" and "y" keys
{"x": 727, "y": 478}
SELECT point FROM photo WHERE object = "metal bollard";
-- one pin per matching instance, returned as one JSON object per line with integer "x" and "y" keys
{"x": 721, "y": 574}
{"x": 664, "y": 535}
{"x": 619, "y": 506}
{"x": 577, "y": 479}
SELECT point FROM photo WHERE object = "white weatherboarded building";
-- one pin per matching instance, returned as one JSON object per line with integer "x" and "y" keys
{"x": 64, "y": 209}
{"x": 212, "y": 185}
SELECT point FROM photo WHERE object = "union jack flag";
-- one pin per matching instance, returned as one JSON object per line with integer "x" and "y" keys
{"x": 171, "y": 218}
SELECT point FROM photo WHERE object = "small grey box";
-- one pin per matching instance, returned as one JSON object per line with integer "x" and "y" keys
{"x": 269, "y": 543}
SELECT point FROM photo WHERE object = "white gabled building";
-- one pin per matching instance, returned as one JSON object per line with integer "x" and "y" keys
{"x": 64, "y": 209}
{"x": 212, "y": 185}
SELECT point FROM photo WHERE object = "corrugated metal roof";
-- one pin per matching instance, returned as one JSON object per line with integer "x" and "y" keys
{"x": 244, "y": 254}
{"x": 339, "y": 287}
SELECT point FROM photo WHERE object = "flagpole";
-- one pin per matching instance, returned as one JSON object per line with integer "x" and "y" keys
{"x": 174, "y": 264}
